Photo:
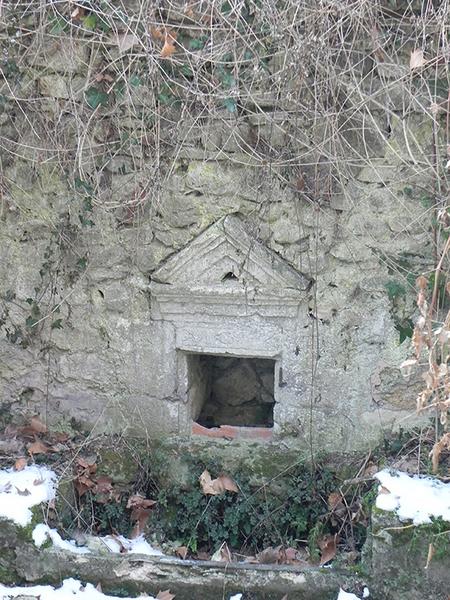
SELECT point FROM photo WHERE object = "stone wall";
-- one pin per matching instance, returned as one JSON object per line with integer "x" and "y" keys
{"x": 99, "y": 187}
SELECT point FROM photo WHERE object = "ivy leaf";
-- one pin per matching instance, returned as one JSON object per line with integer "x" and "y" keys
{"x": 81, "y": 263}
{"x": 82, "y": 185}
{"x": 95, "y": 97}
{"x": 230, "y": 105}
{"x": 57, "y": 324}
{"x": 30, "y": 322}
{"x": 58, "y": 25}
{"x": 90, "y": 22}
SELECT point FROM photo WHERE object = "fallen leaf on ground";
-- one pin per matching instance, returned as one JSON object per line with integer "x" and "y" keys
{"x": 89, "y": 463}
{"x": 20, "y": 464}
{"x": 223, "y": 554}
{"x": 38, "y": 447}
{"x": 182, "y": 551}
{"x": 269, "y": 556}
{"x": 214, "y": 487}
{"x": 37, "y": 425}
{"x": 328, "y": 547}
{"x": 334, "y": 500}
{"x": 25, "y": 492}
{"x": 141, "y": 509}
{"x": 166, "y": 595}
{"x": 82, "y": 484}
{"x": 168, "y": 49}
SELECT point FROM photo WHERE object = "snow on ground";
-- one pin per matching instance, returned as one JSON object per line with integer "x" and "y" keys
{"x": 117, "y": 544}
{"x": 21, "y": 490}
{"x": 348, "y": 596}
{"x": 71, "y": 589}
{"x": 137, "y": 546}
{"x": 42, "y": 533}
{"x": 413, "y": 497}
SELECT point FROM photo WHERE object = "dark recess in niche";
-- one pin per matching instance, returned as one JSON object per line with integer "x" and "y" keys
{"x": 228, "y": 390}
{"x": 230, "y": 276}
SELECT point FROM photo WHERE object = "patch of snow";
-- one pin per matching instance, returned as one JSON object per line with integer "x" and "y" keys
{"x": 71, "y": 589}
{"x": 366, "y": 592}
{"x": 236, "y": 597}
{"x": 41, "y": 533}
{"x": 346, "y": 596}
{"x": 21, "y": 490}
{"x": 136, "y": 546}
{"x": 415, "y": 498}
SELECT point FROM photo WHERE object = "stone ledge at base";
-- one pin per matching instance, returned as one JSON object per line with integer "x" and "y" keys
{"x": 232, "y": 432}
{"x": 187, "y": 579}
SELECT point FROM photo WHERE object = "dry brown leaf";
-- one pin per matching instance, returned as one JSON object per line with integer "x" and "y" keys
{"x": 141, "y": 509}
{"x": 24, "y": 493}
{"x": 103, "y": 77}
{"x": 166, "y": 595}
{"x": 88, "y": 463}
{"x": 83, "y": 484}
{"x": 417, "y": 60}
{"x": 223, "y": 554}
{"x": 157, "y": 34}
{"x": 214, "y": 487}
{"x": 328, "y": 548}
{"x": 334, "y": 500}
{"x": 98, "y": 587}
{"x": 20, "y": 464}
{"x": 438, "y": 448}
{"x": 38, "y": 447}
{"x": 103, "y": 484}
{"x": 37, "y": 425}
{"x": 182, "y": 551}
{"x": 269, "y": 556}
{"x": 78, "y": 13}
{"x": 168, "y": 49}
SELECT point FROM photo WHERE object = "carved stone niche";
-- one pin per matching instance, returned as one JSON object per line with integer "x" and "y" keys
{"x": 237, "y": 311}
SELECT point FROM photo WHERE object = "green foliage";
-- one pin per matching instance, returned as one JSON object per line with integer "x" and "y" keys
{"x": 58, "y": 25}
{"x": 252, "y": 519}
{"x": 90, "y": 21}
{"x": 394, "y": 290}
{"x": 96, "y": 97}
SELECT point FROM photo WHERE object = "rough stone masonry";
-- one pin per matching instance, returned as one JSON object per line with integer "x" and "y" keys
{"x": 102, "y": 322}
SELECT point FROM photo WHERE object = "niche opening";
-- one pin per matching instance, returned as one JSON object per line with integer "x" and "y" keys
{"x": 229, "y": 390}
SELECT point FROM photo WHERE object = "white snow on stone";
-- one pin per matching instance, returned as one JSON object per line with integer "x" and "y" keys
{"x": 42, "y": 533}
{"x": 21, "y": 490}
{"x": 137, "y": 546}
{"x": 71, "y": 589}
{"x": 347, "y": 596}
{"x": 366, "y": 592}
{"x": 415, "y": 498}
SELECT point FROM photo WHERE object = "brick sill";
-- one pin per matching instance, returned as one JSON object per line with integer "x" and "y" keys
{"x": 233, "y": 432}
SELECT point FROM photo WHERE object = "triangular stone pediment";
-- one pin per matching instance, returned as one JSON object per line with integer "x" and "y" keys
{"x": 225, "y": 257}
